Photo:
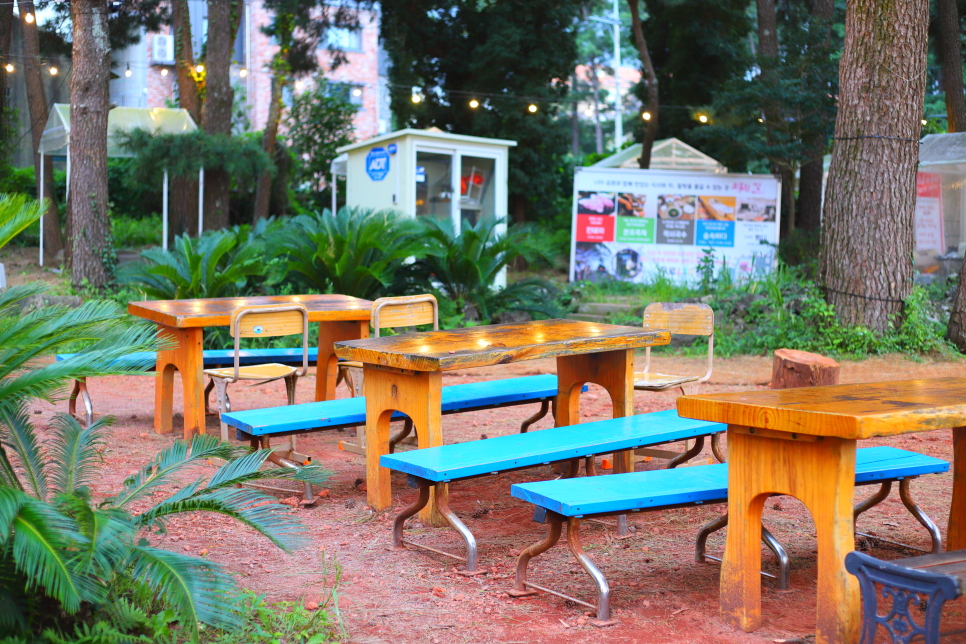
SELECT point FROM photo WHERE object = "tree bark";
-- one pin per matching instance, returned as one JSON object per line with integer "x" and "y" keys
{"x": 184, "y": 190}
{"x": 223, "y": 22}
{"x": 6, "y": 115}
{"x": 867, "y": 235}
{"x": 37, "y": 106}
{"x": 647, "y": 67}
{"x": 574, "y": 119}
{"x": 263, "y": 192}
{"x": 598, "y": 132}
{"x": 809, "y": 212}
{"x": 791, "y": 368}
{"x": 89, "y": 93}
{"x": 950, "y": 53}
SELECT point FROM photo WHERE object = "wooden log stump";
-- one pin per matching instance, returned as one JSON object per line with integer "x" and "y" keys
{"x": 802, "y": 369}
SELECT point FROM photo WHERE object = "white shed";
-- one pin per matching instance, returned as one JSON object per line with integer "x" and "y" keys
{"x": 666, "y": 154}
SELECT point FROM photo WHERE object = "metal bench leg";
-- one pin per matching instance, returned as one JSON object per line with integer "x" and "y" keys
{"x": 80, "y": 389}
{"x": 398, "y": 524}
{"x": 701, "y": 542}
{"x": 208, "y": 388}
{"x": 603, "y": 588}
{"x": 784, "y": 566}
{"x": 398, "y": 438}
{"x": 716, "y": 448}
{"x": 688, "y": 455}
{"x": 872, "y": 501}
{"x": 916, "y": 511}
{"x": 543, "y": 411}
{"x": 521, "y": 587}
{"x": 442, "y": 504}
{"x": 290, "y": 382}
{"x": 221, "y": 392}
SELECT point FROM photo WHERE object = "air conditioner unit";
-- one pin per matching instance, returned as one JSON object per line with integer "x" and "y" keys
{"x": 162, "y": 49}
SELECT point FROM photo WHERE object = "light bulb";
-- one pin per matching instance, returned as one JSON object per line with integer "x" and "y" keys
{"x": 53, "y": 70}
{"x": 703, "y": 118}
{"x": 416, "y": 98}
{"x": 164, "y": 72}
{"x": 474, "y": 103}
{"x": 9, "y": 67}
{"x": 924, "y": 121}
{"x": 200, "y": 69}
{"x": 243, "y": 73}
{"x": 357, "y": 92}
{"x": 646, "y": 116}
{"x": 29, "y": 18}
{"x": 299, "y": 85}
{"x": 532, "y": 109}
{"x": 128, "y": 72}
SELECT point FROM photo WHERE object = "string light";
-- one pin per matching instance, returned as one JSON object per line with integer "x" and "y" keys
{"x": 299, "y": 85}
{"x": 164, "y": 71}
{"x": 646, "y": 116}
{"x": 29, "y": 18}
{"x": 200, "y": 69}
{"x": 924, "y": 121}
{"x": 243, "y": 73}
{"x": 357, "y": 92}
{"x": 416, "y": 98}
{"x": 53, "y": 70}
{"x": 9, "y": 68}
{"x": 128, "y": 72}
{"x": 533, "y": 108}
{"x": 703, "y": 118}
{"x": 474, "y": 103}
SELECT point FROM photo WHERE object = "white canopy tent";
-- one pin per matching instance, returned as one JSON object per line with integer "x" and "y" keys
{"x": 55, "y": 142}
{"x": 666, "y": 154}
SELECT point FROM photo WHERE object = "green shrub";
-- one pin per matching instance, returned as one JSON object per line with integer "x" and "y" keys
{"x": 134, "y": 233}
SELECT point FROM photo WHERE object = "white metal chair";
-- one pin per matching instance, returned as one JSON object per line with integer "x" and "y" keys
{"x": 262, "y": 321}
{"x": 388, "y": 313}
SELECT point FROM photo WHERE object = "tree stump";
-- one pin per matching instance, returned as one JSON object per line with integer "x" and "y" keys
{"x": 802, "y": 369}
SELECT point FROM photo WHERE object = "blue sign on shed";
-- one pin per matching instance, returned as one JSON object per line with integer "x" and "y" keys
{"x": 377, "y": 164}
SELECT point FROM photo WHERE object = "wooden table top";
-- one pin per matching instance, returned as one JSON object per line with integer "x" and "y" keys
{"x": 482, "y": 346}
{"x": 847, "y": 411}
{"x": 216, "y": 311}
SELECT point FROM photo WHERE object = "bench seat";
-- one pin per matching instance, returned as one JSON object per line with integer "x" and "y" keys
{"x": 571, "y": 500}
{"x": 351, "y": 412}
{"x": 436, "y": 466}
{"x": 214, "y": 358}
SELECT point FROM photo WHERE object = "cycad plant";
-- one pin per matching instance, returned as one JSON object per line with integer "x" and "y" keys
{"x": 464, "y": 267}
{"x": 356, "y": 252}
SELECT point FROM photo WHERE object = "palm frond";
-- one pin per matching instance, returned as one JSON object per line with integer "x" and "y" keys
{"x": 109, "y": 533}
{"x": 247, "y": 468}
{"x": 44, "y": 544}
{"x": 73, "y": 452}
{"x": 17, "y": 435}
{"x": 197, "y": 590}
{"x": 257, "y": 510}
{"x": 14, "y": 603}
{"x": 17, "y": 211}
{"x": 8, "y": 475}
{"x": 171, "y": 460}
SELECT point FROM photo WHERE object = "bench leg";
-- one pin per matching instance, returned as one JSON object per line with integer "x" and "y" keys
{"x": 716, "y": 448}
{"x": 221, "y": 393}
{"x": 603, "y": 588}
{"x": 80, "y": 389}
{"x": 399, "y": 523}
{"x": 207, "y": 394}
{"x": 689, "y": 454}
{"x": 541, "y": 413}
{"x": 403, "y": 433}
{"x": 916, "y": 511}
{"x": 956, "y": 531}
{"x": 521, "y": 588}
{"x": 784, "y": 565}
{"x": 442, "y": 504}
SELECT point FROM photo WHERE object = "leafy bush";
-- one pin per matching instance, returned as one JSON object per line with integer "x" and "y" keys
{"x": 132, "y": 233}
{"x": 217, "y": 264}
{"x": 356, "y": 252}
{"x": 265, "y": 623}
{"x": 463, "y": 268}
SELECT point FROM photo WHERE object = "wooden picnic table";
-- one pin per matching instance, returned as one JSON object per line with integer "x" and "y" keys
{"x": 183, "y": 321}
{"x": 404, "y": 373}
{"x": 801, "y": 442}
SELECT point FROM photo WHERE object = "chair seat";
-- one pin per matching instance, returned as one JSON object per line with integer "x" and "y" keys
{"x": 254, "y": 372}
{"x": 660, "y": 380}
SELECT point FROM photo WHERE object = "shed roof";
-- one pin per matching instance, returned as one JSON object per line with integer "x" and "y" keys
{"x": 942, "y": 149}
{"x": 666, "y": 154}
{"x": 56, "y": 137}
{"x": 429, "y": 134}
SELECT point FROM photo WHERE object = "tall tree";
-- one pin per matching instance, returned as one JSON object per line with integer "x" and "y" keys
{"x": 951, "y": 57}
{"x": 6, "y": 112}
{"x": 652, "y": 106}
{"x": 89, "y": 93}
{"x": 223, "y": 22}
{"x": 184, "y": 189}
{"x": 37, "y": 106}
{"x": 867, "y": 232}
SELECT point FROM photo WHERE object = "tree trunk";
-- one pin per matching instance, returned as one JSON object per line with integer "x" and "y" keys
{"x": 788, "y": 200}
{"x": 91, "y": 251}
{"x": 37, "y": 105}
{"x": 867, "y": 234}
{"x": 598, "y": 133}
{"x": 223, "y": 21}
{"x": 184, "y": 190}
{"x": 6, "y": 114}
{"x": 950, "y": 54}
{"x": 791, "y": 368}
{"x": 647, "y": 67}
{"x": 263, "y": 192}
{"x": 574, "y": 119}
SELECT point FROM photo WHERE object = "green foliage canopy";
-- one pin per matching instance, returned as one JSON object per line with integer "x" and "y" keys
{"x": 185, "y": 154}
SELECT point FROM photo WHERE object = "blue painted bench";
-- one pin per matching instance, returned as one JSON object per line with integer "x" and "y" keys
{"x": 213, "y": 359}
{"x": 572, "y": 500}
{"x": 436, "y": 466}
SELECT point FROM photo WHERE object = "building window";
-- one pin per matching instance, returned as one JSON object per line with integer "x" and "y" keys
{"x": 346, "y": 39}
{"x": 347, "y": 92}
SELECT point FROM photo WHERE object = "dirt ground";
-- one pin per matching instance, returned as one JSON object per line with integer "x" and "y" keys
{"x": 659, "y": 594}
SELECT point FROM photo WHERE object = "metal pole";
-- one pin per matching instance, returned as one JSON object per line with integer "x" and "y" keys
{"x": 618, "y": 106}
{"x": 164, "y": 212}
{"x": 201, "y": 201}
{"x": 42, "y": 195}
{"x": 335, "y": 184}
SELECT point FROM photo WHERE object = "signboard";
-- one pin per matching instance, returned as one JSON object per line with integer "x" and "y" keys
{"x": 632, "y": 225}
{"x": 929, "y": 213}
{"x": 377, "y": 164}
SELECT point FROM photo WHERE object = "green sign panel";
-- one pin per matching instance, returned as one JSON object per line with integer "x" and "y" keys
{"x": 635, "y": 230}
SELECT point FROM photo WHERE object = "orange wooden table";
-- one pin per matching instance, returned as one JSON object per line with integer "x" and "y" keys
{"x": 801, "y": 442}
{"x": 404, "y": 373}
{"x": 183, "y": 321}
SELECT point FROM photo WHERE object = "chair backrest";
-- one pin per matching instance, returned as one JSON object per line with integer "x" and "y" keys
{"x": 409, "y": 310}
{"x": 684, "y": 318}
{"x": 269, "y": 321}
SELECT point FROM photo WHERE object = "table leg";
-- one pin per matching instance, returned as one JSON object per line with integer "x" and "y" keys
{"x": 820, "y": 472}
{"x": 325, "y": 369}
{"x": 612, "y": 370}
{"x": 187, "y": 357}
{"x": 956, "y": 533}
{"x": 418, "y": 394}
